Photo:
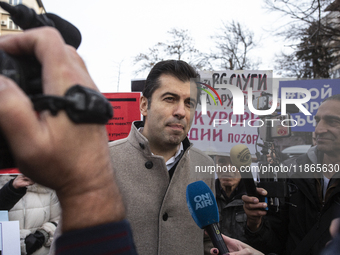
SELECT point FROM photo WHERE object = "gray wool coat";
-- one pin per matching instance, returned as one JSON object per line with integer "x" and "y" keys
{"x": 156, "y": 206}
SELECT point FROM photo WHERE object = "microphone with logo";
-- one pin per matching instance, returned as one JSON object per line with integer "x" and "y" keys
{"x": 203, "y": 209}
{"x": 241, "y": 158}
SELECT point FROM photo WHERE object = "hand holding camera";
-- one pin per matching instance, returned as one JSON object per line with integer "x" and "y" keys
{"x": 53, "y": 150}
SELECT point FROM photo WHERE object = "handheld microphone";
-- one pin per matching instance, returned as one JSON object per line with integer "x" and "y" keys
{"x": 241, "y": 158}
{"x": 27, "y": 18}
{"x": 203, "y": 209}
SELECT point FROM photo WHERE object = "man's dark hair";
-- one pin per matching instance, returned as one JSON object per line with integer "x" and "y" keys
{"x": 334, "y": 97}
{"x": 176, "y": 68}
{"x": 224, "y": 161}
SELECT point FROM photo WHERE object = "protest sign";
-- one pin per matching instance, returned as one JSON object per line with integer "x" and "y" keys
{"x": 319, "y": 90}
{"x": 125, "y": 111}
{"x": 217, "y": 129}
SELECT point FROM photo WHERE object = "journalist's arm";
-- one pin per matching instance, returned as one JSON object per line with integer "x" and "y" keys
{"x": 265, "y": 231}
{"x": 70, "y": 158}
{"x": 13, "y": 191}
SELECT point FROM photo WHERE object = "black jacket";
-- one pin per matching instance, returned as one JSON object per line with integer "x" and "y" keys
{"x": 9, "y": 196}
{"x": 283, "y": 232}
{"x": 233, "y": 219}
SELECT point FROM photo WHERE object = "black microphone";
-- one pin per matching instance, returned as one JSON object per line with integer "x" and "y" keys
{"x": 69, "y": 32}
{"x": 203, "y": 209}
{"x": 27, "y": 18}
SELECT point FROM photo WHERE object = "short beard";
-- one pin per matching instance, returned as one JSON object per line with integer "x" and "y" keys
{"x": 175, "y": 140}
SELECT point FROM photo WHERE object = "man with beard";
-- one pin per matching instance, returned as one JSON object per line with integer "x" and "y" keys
{"x": 156, "y": 162}
{"x": 229, "y": 191}
{"x": 302, "y": 226}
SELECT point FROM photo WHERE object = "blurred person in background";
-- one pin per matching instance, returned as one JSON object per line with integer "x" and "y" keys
{"x": 35, "y": 207}
{"x": 229, "y": 191}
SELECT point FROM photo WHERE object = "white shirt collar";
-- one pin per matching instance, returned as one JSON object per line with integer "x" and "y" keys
{"x": 173, "y": 160}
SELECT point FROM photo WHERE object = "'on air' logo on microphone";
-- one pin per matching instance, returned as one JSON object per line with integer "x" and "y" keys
{"x": 203, "y": 200}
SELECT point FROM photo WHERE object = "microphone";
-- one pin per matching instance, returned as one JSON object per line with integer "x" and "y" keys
{"x": 27, "y": 18}
{"x": 241, "y": 158}
{"x": 203, "y": 209}
{"x": 69, "y": 32}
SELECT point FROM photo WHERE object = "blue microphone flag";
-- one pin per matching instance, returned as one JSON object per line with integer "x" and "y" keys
{"x": 202, "y": 204}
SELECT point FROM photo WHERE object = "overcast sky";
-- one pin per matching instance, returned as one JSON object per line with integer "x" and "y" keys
{"x": 113, "y": 32}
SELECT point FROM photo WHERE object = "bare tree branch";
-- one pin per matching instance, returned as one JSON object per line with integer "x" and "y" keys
{"x": 180, "y": 47}
{"x": 233, "y": 44}
{"x": 315, "y": 34}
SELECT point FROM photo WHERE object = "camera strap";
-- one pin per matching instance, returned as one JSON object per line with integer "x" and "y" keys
{"x": 82, "y": 105}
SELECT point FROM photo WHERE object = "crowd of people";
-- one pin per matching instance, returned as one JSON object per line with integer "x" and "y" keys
{"x": 128, "y": 196}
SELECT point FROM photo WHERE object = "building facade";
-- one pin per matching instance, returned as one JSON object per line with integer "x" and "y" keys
{"x": 7, "y": 26}
{"x": 333, "y": 18}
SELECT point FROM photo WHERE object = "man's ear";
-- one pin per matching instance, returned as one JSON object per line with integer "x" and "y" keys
{"x": 144, "y": 106}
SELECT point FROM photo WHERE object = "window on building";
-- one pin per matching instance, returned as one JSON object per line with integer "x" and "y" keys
{"x": 15, "y": 2}
{"x": 12, "y": 25}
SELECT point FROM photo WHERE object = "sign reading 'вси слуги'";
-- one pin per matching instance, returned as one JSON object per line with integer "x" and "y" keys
{"x": 230, "y": 109}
